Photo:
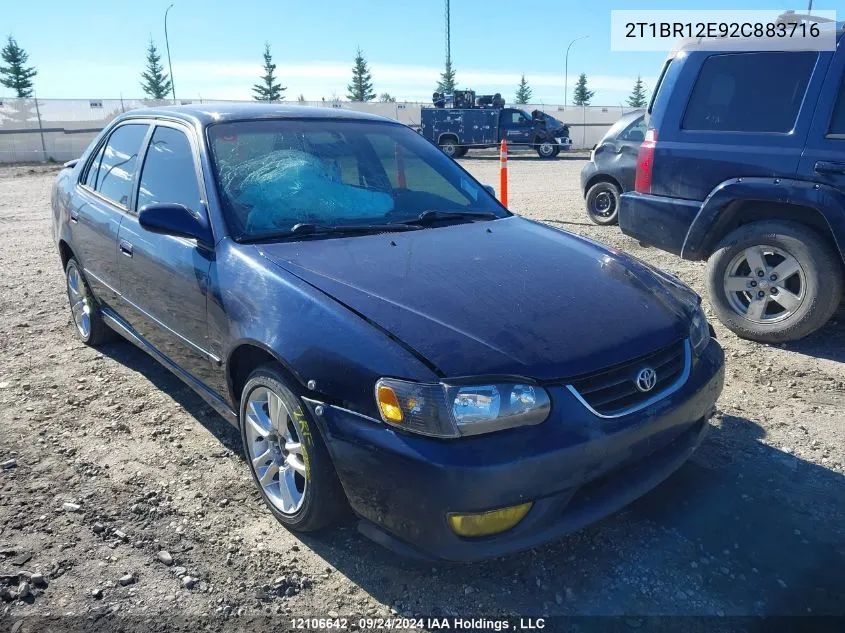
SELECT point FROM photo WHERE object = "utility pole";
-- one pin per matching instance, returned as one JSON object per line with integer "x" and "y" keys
{"x": 566, "y": 68}
{"x": 449, "y": 35}
{"x": 169, "y": 65}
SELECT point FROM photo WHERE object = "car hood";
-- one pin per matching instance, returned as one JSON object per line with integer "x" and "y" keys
{"x": 505, "y": 297}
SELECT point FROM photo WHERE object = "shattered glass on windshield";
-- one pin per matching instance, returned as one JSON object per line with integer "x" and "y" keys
{"x": 289, "y": 186}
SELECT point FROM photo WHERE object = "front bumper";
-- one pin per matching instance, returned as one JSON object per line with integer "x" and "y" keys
{"x": 576, "y": 468}
{"x": 657, "y": 220}
{"x": 588, "y": 171}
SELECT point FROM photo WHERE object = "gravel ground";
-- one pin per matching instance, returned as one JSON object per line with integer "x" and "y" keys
{"x": 123, "y": 493}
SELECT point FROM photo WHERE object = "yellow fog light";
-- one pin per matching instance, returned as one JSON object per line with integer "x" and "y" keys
{"x": 486, "y": 523}
{"x": 389, "y": 404}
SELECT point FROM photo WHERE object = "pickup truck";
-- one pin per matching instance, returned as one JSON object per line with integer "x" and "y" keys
{"x": 457, "y": 130}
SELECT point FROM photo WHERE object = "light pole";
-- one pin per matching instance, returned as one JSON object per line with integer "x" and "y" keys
{"x": 167, "y": 44}
{"x": 566, "y": 68}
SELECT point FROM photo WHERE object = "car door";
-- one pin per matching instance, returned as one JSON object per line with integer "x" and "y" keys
{"x": 99, "y": 203}
{"x": 823, "y": 159}
{"x": 516, "y": 127}
{"x": 164, "y": 279}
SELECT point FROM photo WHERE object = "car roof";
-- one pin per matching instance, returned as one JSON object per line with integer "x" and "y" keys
{"x": 746, "y": 44}
{"x": 217, "y": 112}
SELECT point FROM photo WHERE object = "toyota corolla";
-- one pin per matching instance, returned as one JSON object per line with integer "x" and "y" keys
{"x": 385, "y": 335}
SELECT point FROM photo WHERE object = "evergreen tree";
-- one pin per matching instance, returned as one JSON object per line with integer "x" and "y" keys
{"x": 582, "y": 95}
{"x": 156, "y": 84}
{"x": 385, "y": 97}
{"x": 447, "y": 83}
{"x": 268, "y": 89}
{"x": 361, "y": 88}
{"x": 16, "y": 75}
{"x": 638, "y": 96}
{"x": 523, "y": 92}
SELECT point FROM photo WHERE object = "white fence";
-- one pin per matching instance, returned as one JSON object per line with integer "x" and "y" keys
{"x": 61, "y": 129}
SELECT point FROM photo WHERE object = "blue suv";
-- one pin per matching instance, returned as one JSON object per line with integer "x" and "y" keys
{"x": 743, "y": 164}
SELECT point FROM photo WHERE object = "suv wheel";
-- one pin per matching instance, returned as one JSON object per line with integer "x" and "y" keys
{"x": 602, "y": 203}
{"x": 774, "y": 281}
{"x": 286, "y": 454}
{"x": 84, "y": 309}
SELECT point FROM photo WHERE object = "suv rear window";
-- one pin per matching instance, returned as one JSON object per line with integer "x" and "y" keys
{"x": 735, "y": 92}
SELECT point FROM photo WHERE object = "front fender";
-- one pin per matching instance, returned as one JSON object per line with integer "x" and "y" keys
{"x": 312, "y": 335}
{"x": 827, "y": 200}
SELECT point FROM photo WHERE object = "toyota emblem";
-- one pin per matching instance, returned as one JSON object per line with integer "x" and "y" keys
{"x": 646, "y": 379}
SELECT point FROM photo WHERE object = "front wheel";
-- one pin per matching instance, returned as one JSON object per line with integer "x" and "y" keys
{"x": 286, "y": 454}
{"x": 774, "y": 281}
{"x": 602, "y": 202}
{"x": 546, "y": 149}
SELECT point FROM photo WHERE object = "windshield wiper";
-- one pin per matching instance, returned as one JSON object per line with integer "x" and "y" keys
{"x": 304, "y": 229}
{"x": 428, "y": 217}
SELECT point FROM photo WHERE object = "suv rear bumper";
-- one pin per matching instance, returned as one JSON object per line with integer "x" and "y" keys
{"x": 656, "y": 220}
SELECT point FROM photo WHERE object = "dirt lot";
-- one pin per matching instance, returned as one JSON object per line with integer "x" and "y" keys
{"x": 108, "y": 459}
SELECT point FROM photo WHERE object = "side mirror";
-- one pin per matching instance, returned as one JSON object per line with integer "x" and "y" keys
{"x": 489, "y": 189}
{"x": 636, "y": 136}
{"x": 175, "y": 219}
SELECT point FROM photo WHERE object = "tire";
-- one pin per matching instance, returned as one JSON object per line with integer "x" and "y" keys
{"x": 449, "y": 146}
{"x": 602, "y": 203}
{"x": 462, "y": 151}
{"x": 84, "y": 308}
{"x": 308, "y": 469}
{"x": 546, "y": 149}
{"x": 793, "y": 304}
{"x": 557, "y": 150}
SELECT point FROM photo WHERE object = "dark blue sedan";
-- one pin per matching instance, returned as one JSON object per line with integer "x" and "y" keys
{"x": 382, "y": 331}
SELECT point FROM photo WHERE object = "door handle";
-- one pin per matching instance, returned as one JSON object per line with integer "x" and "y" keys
{"x": 827, "y": 167}
{"x": 126, "y": 248}
{"x": 74, "y": 215}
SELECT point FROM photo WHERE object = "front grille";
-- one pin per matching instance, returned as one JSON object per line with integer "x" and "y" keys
{"x": 613, "y": 391}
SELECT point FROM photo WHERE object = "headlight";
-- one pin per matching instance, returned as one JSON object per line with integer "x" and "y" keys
{"x": 699, "y": 331}
{"x": 443, "y": 410}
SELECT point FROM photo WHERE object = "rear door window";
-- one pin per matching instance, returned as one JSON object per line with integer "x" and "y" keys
{"x": 737, "y": 92}
{"x": 94, "y": 169}
{"x": 117, "y": 167}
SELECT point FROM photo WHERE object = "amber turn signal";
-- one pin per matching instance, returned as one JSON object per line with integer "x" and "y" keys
{"x": 389, "y": 404}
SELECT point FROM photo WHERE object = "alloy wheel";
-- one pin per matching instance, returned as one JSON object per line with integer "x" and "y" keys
{"x": 547, "y": 148}
{"x": 764, "y": 284}
{"x": 275, "y": 450}
{"x": 80, "y": 304}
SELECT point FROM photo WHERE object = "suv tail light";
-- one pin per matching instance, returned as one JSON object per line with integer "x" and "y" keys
{"x": 645, "y": 162}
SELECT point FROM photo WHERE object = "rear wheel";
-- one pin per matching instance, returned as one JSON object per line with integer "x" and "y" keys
{"x": 286, "y": 454}
{"x": 462, "y": 151}
{"x": 602, "y": 202}
{"x": 449, "y": 146}
{"x": 774, "y": 281}
{"x": 84, "y": 308}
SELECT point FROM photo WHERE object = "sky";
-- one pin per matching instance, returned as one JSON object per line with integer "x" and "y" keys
{"x": 96, "y": 49}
